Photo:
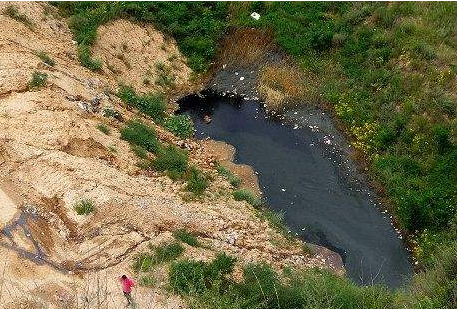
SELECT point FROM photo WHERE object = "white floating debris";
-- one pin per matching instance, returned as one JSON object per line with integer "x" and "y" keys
{"x": 242, "y": 78}
{"x": 296, "y": 127}
{"x": 224, "y": 66}
{"x": 255, "y": 15}
{"x": 236, "y": 73}
{"x": 295, "y": 113}
{"x": 283, "y": 190}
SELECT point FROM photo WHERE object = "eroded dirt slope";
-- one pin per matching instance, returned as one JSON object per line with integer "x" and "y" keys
{"x": 52, "y": 155}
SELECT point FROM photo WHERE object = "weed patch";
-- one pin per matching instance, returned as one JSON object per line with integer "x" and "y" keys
{"x": 84, "y": 207}
{"x": 139, "y": 134}
{"x": 248, "y": 196}
{"x": 39, "y": 80}
{"x": 153, "y": 105}
{"x": 103, "y": 128}
{"x": 12, "y": 12}
{"x": 180, "y": 125}
{"x": 46, "y": 58}
{"x": 186, "y": 237}
{"x": 224, "y": 172}
{"x": 197, "y": 182}
{"x": 172, "y": 160}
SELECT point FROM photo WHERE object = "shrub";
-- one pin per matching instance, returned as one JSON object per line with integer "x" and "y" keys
{"x": 181, "y": 125}
{"x": 84, "y": 207}
{"x": 186, "y": 237}
{"x": 248, "y": 196}
{"x": 46, "y": 58}
{"x": 138, "y": 133}
{"x": 39, "y": 79}
{"x": 103, "y": 128}
{"x": 197, "y": 182}
{"x": 232, "y": 179}
{"x": 12, "y": 11}
{"x": 173, "y": 160}
{"x": 152, "y": 105}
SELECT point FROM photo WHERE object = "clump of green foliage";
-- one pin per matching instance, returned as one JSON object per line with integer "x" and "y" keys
{"x": 232, "y": 179}
{"x": 172, "y": 160}
{"x": 248, "y": 196}
{"x": 161, "y": 254}
{"x": 196, "y": 26}
{"x": 148, "y": 281}
{"x": 12, "y": 11}
{"x": 180, "y": 125}
{"x": 112, "y": 113}
{"x": 188, "y": 277}
{"x": 275, "y": 219}
{"x": 186, "y": 237}
{"x": 153, "y": 105}
{"x": 46, "y": 58}
{"x": 39, "y": 79}
{"x": 197, "y": 181}
{"x": 84, "y": 207}
{"x": 85, "y": 57}
{"x": 140, "y": 134}
{"x": 103, "y": 128}
{"x": 165, "y": 78}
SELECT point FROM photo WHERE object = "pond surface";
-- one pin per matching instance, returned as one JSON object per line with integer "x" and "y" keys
{"x": 304, "y": 172}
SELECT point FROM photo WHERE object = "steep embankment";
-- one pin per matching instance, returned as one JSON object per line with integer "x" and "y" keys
{"x": 58, "y": 148}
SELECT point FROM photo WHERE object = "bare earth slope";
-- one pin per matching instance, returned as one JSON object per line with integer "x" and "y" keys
{"x": 52, "y": 155}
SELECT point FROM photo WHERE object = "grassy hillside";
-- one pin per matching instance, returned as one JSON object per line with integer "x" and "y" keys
{"x": 387, "y": 70}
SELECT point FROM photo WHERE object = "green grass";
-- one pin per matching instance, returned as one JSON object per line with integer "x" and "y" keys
{"x": 104, "y": 128}
{"x": 197, "y": 181}
{"x": 231, "y": 178}
{"x": 153, "y": 105}
{"x": 158, "y": 255}
{"x": 276, "y": 220}
{"x": 84, "y": 207}
{"x": 186, "y": 237}
{"x": 112, "y": 113}
{"x": 12, "y": 11}
{"x": 248, "y": 196}
{"x": 180, "y": 125}
{"x": 38, "y": 80}
{"x": 165, "y": 78}
{"x": 46, "y": 58}
{"x": 85, "y": 57}
{"x": 172, "y": 160}
{"x": 148, "y": 281}
{"x": 139, "y": 134}
{"x": 196, "y": 26}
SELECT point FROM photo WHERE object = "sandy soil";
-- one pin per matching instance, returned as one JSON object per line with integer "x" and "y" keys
{"x": 52, "y": 155}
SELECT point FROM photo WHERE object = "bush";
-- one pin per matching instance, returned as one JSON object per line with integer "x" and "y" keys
{"x": 84, "y": 207}
{"x": 197, "y": 182}
{"x": 181, "y": 125}
{"x": 39, "y": 79}
{"x": 232, "y": 179}
{"x": 153, "y": 105}
{"x": 11, "y": 11}
{"x": 172, "y": 160}
{"x": 248, "y": 196}
{"x": 46, "y": 58}
{"x": 186, "y": 237}
{"x": 137, "y": 133}
{"x": 103, "y": 128}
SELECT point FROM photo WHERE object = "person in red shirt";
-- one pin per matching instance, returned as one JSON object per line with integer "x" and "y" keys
{"x": 127, "y": 284}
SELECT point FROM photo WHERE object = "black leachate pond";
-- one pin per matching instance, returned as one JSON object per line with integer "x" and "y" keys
{"x": 304, "y": 172}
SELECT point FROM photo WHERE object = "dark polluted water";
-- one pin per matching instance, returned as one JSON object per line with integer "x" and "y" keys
{"x": 317, "y": 188}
